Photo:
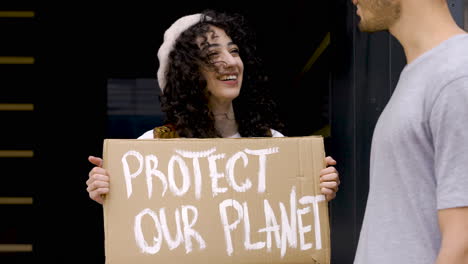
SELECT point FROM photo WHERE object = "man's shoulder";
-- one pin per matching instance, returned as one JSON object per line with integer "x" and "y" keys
{"x": 441, "y": 66}
{"x": 454, "y": 58}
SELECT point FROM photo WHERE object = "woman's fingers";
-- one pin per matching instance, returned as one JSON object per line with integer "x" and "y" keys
{"x": 332, "y": 185}
{"x": 96, "y": 185}
{"x": 330, "y": 177}
{"x": 97, "y": 195}
{"x": 98, "y": 181}
{"x": 95, "y": 160}
{"x": 96, "y": 170}
{"x": 330, "y": 161}
{"x": 328, "y": 170}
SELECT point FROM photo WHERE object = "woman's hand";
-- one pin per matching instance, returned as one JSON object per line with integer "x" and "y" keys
{"x": 98, "y": 182}
{"x": 329, "y": 179}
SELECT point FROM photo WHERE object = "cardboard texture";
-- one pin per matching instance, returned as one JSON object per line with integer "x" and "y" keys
{"x": 248, "y": 200}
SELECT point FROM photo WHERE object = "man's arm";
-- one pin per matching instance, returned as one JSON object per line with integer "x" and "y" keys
{"x": 449, "y": 130}
{"x": 453, "y": 224}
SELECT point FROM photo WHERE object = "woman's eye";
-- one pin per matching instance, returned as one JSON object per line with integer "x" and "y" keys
{"x": 235, "y": 51}
{"x": 212, "y": 54}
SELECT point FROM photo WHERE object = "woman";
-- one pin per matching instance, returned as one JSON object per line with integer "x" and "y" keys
{"x": 211, "y": 87}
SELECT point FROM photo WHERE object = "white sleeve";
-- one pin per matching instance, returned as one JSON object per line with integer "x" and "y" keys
{"x": 275, "y": 133}
{"x": 147, "y": 135}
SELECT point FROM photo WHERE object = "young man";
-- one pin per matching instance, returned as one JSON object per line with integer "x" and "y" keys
{"x": 417, "y": 209}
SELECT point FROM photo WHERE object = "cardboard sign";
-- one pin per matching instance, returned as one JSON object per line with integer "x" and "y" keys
{"x": 248, "y": 200}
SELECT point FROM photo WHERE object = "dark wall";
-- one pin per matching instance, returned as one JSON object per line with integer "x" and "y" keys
{"x": 364, "y": 76}
{"x": 82, "y": 46}
{"x": 69, "y": 126}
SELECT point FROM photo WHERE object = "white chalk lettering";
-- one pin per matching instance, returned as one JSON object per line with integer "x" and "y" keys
{"x": 188, "y": 231}
{"x": 150, "y": 165}
{"x": 285, "y": 234}
{"x": 171, "y": 243}
{"x": 271, "y": 225}
{"x": 185, "y": 176}
{"x": 303, "y": 229}
{"x": 288, "y": 227}
{"x": 215, "y": 175}
{"x": 230, "y": 172}
{"x": 262, "y": 165}
{"x": 126, "y": 169}
{"x": 224, "y": 220}
{"x": 151, "y": 169}
{"x": 314, "y": 200}
{"x": 247, "y": 244}
{"x": 163, "y": 233}
{"x": 140, "y": 239}
{"x": 196, "y": 166}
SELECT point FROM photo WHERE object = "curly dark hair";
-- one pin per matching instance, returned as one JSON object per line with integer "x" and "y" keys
{"x": 185, "y": 99}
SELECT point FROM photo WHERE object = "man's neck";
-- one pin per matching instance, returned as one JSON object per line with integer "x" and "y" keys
{"x": 422, "y": 27}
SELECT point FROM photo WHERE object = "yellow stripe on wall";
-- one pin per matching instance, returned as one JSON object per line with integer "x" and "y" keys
{"x": 17, "y": 14}
{"x": 322, "y": 47}
{"x": 16, "y": 200}
{"x": 16, "y": 248}
{"x": 16, "y": 60}
{"x": 324, "y": 131}
{"x": 16, "y": 107}
{"x": 16, "y": 153}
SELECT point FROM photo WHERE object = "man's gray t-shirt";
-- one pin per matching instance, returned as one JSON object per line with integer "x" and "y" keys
{"x": 419, "y": 159}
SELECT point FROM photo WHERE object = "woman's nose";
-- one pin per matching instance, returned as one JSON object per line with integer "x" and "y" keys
{"x": 229, "y": 59}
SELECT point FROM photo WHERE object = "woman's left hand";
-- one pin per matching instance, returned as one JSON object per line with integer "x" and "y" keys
{"x": 329, "y": 179}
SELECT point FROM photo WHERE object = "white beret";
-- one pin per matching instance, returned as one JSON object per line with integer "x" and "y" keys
{"x": 170, "y": 37}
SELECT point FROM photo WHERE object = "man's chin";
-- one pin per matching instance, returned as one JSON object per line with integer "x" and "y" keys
{"x": 368, "y": 28}
{"x": 363, "y": 28}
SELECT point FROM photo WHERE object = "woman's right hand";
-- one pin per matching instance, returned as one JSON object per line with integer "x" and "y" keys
{"x": 98, "y": 182}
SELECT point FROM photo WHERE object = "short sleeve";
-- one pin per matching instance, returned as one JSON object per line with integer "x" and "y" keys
{"x": 449, "y": 129}
{"x": 275, "y": 133}
{"x": 147, "y": 135}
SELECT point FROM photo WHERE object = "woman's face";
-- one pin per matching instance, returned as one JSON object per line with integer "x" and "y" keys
{"x": 224, "y": 80}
